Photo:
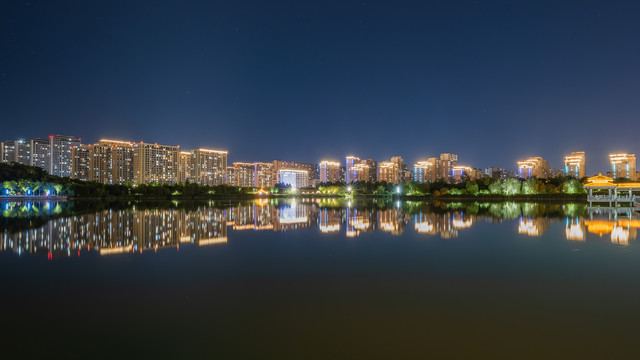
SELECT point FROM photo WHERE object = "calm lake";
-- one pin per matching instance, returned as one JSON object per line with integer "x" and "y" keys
{"x": 313, "y": 278}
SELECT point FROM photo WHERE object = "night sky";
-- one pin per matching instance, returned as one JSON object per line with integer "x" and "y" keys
{"x": 492, "y": 81}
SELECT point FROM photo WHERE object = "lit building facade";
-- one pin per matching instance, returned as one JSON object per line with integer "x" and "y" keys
{"x": 293, "y": 177}
{"x": 61, "y": 159}
{"x": 184, "y": 167}
{"x": 574, "y": 165}
{"x": 361, "y": 172}
{"x": 311, "y": 169}
{"x": 81, "y": 162}
{"x": 447, "y": 162}
{"x": 623, "y": 166}
{"x": 112, "y": 162}
{"x": 244, "y": 174}
{"x": 209, "y": 166}
{"x": 404, "y": 174}
{"x": 330, "y": 171}
{"x": 8, "y": 151}
{"x": 533, "y": 167}
{"x": 388, "y": 172}
{"x": 426, "y": 171}
{"x": 263, "y": 175}
{"x": 41, "y": 153}
{"x": 153, "y": 163}
{"x": 350, "y": 162}
{"x": 22, "y": 152}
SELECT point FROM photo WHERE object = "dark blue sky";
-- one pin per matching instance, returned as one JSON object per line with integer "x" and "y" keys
{"x": 307, "y": 80}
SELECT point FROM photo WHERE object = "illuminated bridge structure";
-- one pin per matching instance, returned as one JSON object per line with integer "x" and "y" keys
{"x": 620, "y": 192}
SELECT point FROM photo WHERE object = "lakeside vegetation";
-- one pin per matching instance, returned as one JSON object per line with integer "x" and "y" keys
{"x": 18, "y": 180}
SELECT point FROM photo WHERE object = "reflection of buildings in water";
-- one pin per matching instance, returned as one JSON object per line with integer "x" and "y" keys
{"x": 391, "y": 220}
{"x": 533, "y": 226}
{"x": 359, "y": 220}
{"x": 329, "y": 220}
{"x": 574, "y": 229}
{"x": 257, "y": 216}
{"x": 295, "y": 216}
{"x": 620, "y": 230}
{"x": 446, "y": 225}
{"x": 120, "y": 231}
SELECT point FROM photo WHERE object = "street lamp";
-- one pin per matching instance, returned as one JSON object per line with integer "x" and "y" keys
{"x": 398, "y": 190}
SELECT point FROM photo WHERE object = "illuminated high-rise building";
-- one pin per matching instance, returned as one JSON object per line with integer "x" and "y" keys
{"x": 373, "y": 169}
{"x": 184, "y": 167}
{"x": 244, "y": 174}
{"x": 447, "y": 162}
{"x": 112, "y": 162}
{"x": 61, "y": 161}
{"x": 232, "y": 173}
{"x": 388, "y": 172}
{"x": 153, "y": 163}
{"x": 426, "y": 170}
{"x": 263, "y": 175}
{"x": 533, "y": 167}
{"x": 623, "y": 166}
{"x": 330, "y": 171}
{"x": 574, "y": 165}
{"x": 41, "y": 153}
{"x": 404, "y": 174}
{"x": 350, "y": 162}
{"x": 23, "y": 152}
{"x": 81, "y": 162}
{"x": 293, "y": 177}
{"x": 311, "y": 169}
{"x": 209, "y": 166}
{"x": 361, "y": 172}
{"x": 8, "y": 151}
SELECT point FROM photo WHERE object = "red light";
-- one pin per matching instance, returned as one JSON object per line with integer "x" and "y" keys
{"x": 50, "y": 136}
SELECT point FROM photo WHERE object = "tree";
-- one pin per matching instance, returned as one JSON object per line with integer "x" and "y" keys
{"x": 529, "y": 186}
{"x": 511, "y": 187}
{"x": 495, "y": 187}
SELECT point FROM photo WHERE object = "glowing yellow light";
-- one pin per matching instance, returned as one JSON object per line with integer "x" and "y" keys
{"x": 620, "y": 236}
{"x": 115, "y": 250}
{"x": 575, "y": 232}
{"x": 423, "y": 227}
{"x": 212, "y": 241}
{"x": 329, "y": 228}
{"x": 528, "y": 228}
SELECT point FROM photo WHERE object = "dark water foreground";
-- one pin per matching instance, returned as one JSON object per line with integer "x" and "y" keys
{"x": 319, "y": 279}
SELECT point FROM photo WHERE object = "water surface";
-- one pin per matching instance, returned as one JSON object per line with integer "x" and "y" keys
{"x": 320, "y": 279}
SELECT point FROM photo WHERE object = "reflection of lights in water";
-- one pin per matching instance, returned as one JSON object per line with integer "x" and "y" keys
{"x": 387, "y": 226}
{"x": 620, "y": 236}
{"x": 352, "y": 233}
{"x": 262, "y": 202}
{"x": 185, "y": 239}
{"x": 289, "y": 214}
{"x": 599, "y": 227}
{"x": 360, "y": 224}
{"x": 115, "y": 250}
{"x": 329, "y": 228}
{"x": 212, "y": 241}
{"x": 462, "y": 224}
{"x": 424, "y": 227}
{"x": 528, "y": 228}
{"x": 574, "y": 232}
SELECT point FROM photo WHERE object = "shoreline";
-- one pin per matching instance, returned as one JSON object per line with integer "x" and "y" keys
{"x": 579, "y": 198}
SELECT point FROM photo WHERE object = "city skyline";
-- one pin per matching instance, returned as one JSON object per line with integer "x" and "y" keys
{"x": 117, "y": 162}
{"x": 415, "y": 79}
